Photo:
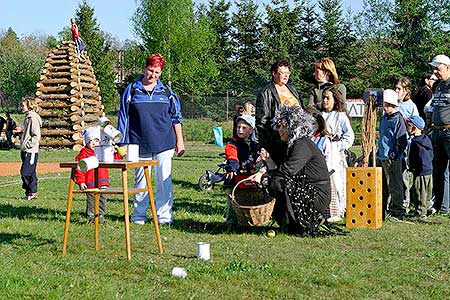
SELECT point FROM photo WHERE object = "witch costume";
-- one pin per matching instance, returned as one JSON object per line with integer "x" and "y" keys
{"x": 301, "y": 183}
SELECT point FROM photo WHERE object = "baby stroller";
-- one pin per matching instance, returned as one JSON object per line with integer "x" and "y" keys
{"x": 210, "y": 178}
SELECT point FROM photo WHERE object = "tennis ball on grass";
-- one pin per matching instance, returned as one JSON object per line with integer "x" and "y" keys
{"x": 271, "y": 233}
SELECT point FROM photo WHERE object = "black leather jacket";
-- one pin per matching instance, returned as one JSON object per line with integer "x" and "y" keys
{"x": 266, "y": 104}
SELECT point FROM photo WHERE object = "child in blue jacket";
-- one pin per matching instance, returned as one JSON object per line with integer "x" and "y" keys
{"x": 391, "y": 146}
{"x": 421, "y": 165}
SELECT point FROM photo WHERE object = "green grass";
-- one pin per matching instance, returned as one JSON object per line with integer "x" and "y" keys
{"x": 398, "y": 261}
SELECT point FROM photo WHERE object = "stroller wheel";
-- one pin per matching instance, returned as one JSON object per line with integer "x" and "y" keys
{"x": 204, "y": 183}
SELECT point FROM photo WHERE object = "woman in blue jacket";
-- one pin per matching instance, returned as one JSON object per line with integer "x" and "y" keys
{"x": 150, "y": 116}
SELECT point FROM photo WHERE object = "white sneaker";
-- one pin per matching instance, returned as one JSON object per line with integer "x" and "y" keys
{"x": 139, "y": 222}
{"x": 334, "y": 219}
{"x": 32, "y": 196}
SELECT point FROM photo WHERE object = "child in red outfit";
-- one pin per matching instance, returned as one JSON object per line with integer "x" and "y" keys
{"x": 77, "y": 38}
{"x": 241, "y": 155}
{"x": 86, "y": 179}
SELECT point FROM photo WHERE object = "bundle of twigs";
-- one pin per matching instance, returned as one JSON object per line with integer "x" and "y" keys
{"x": 368, "y": 131}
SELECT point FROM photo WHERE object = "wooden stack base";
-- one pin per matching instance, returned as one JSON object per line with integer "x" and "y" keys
{"x": 364, "y": 197}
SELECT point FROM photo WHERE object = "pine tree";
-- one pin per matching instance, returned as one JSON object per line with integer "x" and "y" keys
{"x": 279, "y": 30}
{"x": 219, "y": 19}
{"x": 247, "y": 46}
{"x": 412, "y": 30}
{"x": 99, "y": 50}
{"x": 337, "y": 39}
{"x": 308, "y": 35}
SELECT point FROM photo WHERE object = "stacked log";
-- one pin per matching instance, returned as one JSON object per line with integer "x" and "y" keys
{"x": 68, "y": 97}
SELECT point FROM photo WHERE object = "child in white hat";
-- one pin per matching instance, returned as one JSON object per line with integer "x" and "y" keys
{"x": 241, "y": 155}
{"x": 86, "y": 180}
{"x": 391, "y": 146}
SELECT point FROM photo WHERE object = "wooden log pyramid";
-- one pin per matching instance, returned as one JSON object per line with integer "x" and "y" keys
{"x": 68, "y": 97}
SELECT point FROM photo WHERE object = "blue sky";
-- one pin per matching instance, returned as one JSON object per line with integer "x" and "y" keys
{"x": 50, "y": 16}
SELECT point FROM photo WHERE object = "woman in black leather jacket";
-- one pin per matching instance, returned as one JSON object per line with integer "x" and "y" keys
{"x": 270, "y": 97}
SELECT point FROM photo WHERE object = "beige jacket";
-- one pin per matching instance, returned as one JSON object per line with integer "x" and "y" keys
{"x": 31, "y": 134}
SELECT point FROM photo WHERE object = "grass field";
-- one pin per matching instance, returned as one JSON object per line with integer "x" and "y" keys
{"x": 398, "y": 261}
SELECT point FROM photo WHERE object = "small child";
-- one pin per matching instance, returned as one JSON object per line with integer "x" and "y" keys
{"x": 391, "y": 146}
{"x": 29, "y": 147}
{"x": 77, "y": 38}
{"x": 322, "y": 139}
{"x": 86, "y": 179}
{"x": 241, "y": 155}
{"x": 421, "y": 166}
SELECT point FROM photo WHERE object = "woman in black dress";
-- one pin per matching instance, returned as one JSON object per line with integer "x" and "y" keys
{"x": 301, "y": 182}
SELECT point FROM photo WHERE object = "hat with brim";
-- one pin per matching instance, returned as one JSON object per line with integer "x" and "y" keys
{"x": 391, "y": 97}
{"x": 440, "y": 59}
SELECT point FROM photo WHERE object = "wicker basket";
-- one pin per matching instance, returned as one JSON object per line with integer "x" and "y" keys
{"x": 252, "y": 207}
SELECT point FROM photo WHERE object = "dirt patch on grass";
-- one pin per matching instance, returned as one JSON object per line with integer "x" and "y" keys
{"x": 13, "y": 168}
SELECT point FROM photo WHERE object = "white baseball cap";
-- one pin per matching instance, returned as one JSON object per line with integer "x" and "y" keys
{"x": 440, "y": 59}
{"x": 250, "y": 120}
{"x": 390, "y": 96}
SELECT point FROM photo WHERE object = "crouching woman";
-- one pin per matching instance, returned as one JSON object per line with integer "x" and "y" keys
{"x": 301, "y": 183}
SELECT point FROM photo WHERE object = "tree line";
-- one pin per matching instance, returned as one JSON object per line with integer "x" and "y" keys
{"x": 225, "y": 48}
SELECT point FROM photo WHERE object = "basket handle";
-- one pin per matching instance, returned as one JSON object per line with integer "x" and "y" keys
{"x": 237, "y": 184}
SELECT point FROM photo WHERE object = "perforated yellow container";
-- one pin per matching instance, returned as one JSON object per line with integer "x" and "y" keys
{"x": 364, "y": 197}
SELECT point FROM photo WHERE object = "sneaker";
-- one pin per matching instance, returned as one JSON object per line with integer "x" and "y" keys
{"x": 431, "y": 211}
{"x": 101, "y": 220}
{"x": 139, "y": 222}
{"x": 32, "y": 196}
{"x": 334, "y": 219}
{"x": 395, "y": 219}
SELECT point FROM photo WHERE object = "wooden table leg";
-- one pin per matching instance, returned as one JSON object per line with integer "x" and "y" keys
{"x": 69, "y": 209}
{"x": 152, "y": 205}
{"x": 125, "y": 211}
{"x": 96, "y": 200}
{"x": 96, "y": 196}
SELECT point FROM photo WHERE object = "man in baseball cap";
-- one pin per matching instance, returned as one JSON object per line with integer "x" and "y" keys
{"x": 440, "y": 59}
{"x": 441, "y": 128}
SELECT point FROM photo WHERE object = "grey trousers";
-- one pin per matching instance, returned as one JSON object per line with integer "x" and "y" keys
{"x": 421, "y": 193}
{"x": 393, "y": 187}
{"x": 90, "y": 205}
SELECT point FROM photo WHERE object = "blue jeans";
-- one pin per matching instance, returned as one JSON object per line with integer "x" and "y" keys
{"x": 28, "y": 172}
{"x": 445, "y": 198}
{"x": 441, "y": 151}
{"x": 164, "y": 193}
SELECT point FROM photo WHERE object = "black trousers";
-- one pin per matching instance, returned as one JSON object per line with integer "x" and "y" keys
{"x": 28, "y": 172}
